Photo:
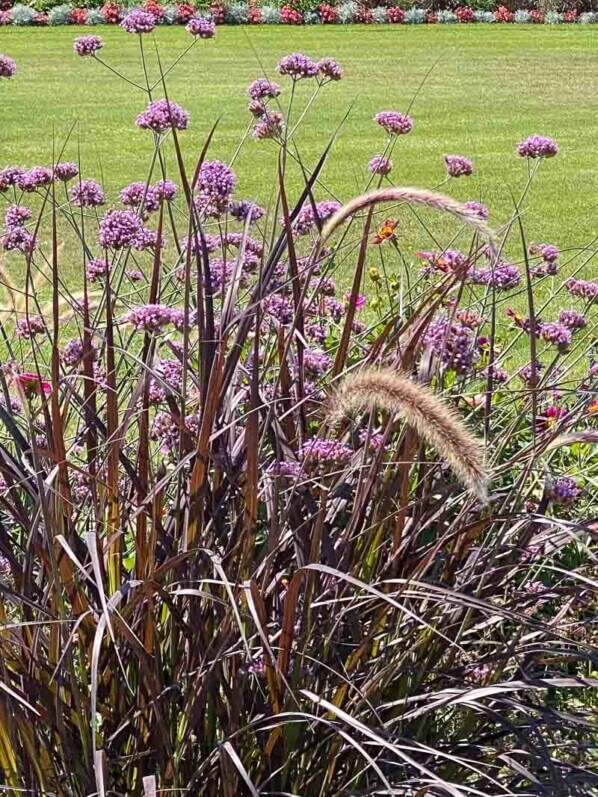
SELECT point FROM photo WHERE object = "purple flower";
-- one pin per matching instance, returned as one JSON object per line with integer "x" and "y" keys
{"x": 7, "y": 66}
{"x": 297, "y": 66}
{"x": 525, "y": 373}
{"x": 35, "y": 178}
{"x": 97, "y": 269}
{"x": 201, "y": 27}
{"x": 164, "y": 191}
{"x": 257, "y": 109}
{"x": 499, "y": 375}
{"x": 134, "y": 193}
{"x": 262, "y": 89}
{"x": 322, "y": 451}
{"x": 558, "y": 334}
{"x": 582, "y": 288}
{"x": 134, "y": 275}
{"x": 502, "y": 276}
{"x": 138, "y": 21}
{"x": 246, "y": 209}
{"x": 538, "y": 147}
{"x": 394, "y": 122}
{"x": 87, "y": 194}
{"x": 146, "y": 239}
{"x": 548, "y": 252}
{"x": 449, "y": 260}
{"x": 280, "y": 308}
{"x": 458, "y": 166}
{"x": 9, "y": 177}
{"x": 16, "y": 216}
{"x": 316, "y": 362}
{"x": 150, "y": 317}
{"x": 65, "y": 171}
{"x": 380, "y": 164}
{"x": 215, "y": 186}
{"x": 271, "y": 125}
{"x": 161, "y": 115}
{"x": 572, "y": 319}
{"x": 28, "y": 328}
{"x": 72, "y": 353}
{"x": 119, "y": 228}
{"x": 250, "y": 244}
{"x": 18, "y": 239}
{"x": 87, "y": 45}
{"x": 564, "y": 490}
{"x": 477, "y": 209}
{"x": 330, "y": 69}
{"x": 452, "y": 343}
{"x": 306, "y": 218}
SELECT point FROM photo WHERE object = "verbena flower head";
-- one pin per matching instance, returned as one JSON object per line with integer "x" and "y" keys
{"x": 65, "y": 171}
{"x": 16, "y": 216}
{"x": 572, "y": 319}
{"x": 35, "y": 178}
{"x": 151, "y": 317}
{"x": 380, "y": 164}
{"x": 87, "y": 194}
{"x": 136, "y": 193}
{"x": 138, "y": 21}
{"x": 18, "y": 240}
{"x": 161, "y": 115}
{"x": 119, "y": 228}
{"x": 9, "y": 177}
{"x": 7, "y": 66}
{"x": 394, "y": 122}
{"x": 262, "y": 89}
{"x": 28, "y": 328}
{"x": 322, "y": 451}
{"x": 458, "y": 166}
{"x": 477, "y": 209}
{"x": 297, "y": 66}
{"x": 306, "y": 218}
{"x": 246, "y": 209}
{"x": 215, "y": 186}
{"x": 564, "y": 490}
{"x": 557, "y": 334}
{"x": 201, "y": 27}
{"x": 97, "y": 269}
{"x": 502, "y": 276}
{"x": 452, "y": 343}
{"x": 548, "y": 252}
{"x": 538, "y": 147}
{"x": 585, "y": 289}
{"x": 88, "y": 45}
{"x": 164, "y": 191}
{"x": 271, "y": 125}
{"x": 330, "y": 69}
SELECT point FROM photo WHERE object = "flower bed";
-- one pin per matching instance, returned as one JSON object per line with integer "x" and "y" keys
{"x": 323, "y": 13}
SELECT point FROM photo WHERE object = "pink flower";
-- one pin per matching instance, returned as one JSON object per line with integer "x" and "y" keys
{"x": 32, "y": 384}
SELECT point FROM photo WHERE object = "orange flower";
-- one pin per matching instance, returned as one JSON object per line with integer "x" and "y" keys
{"x": 386, "y": 232}
{"x": 593, "y": 408}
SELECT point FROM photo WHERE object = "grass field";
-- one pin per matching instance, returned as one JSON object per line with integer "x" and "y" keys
{"x": 489, "y": 87}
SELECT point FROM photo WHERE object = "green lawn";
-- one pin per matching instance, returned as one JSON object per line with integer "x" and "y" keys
{"x": 490, "y": 87}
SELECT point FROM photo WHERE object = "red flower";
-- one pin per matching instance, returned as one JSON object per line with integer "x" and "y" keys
{"x": 255, "y": 15}
{"x": 364, "y": 15}
{"x": 431, "y": 18}
{"x": 386, "y": 232}
{"x": 328, "y": 14}
{"x": 186, "y": 11}
{"x": 537, "y": 17}
{"x": 464, "y": 14}
{"x": 155, "y": 9}
{"x": 502, "y": 14}
{"x": 111, "y": 13}
{"x": 32, "y": 384}
{"x": 41, "y": 19}
{"x": 395, "y": 15}
{"x": 218, "y": 12}
{"x": 290, "y": 16}
{"x": 79, "y": 16}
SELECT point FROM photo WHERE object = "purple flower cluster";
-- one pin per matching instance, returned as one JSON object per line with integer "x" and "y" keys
{"x": 306, "y": 218}
{"x": 161, "y": 115}
{"x": 152, "y": 317}
{"x": 538, "y": 147}
{"x": 477, "y": 209}
{"x": 271, "y": 125}
{"x": 215, "y": 186}
{"x": 394, "y": 122}
{"x": 582, "y": 288}
{"x": 18, "y": 240}
{"x": 164, "y": 191}
{"x": 564, "y": 490}
{"x": 87, "y": 45}
{"x": 548, "y": 252}
{"x": 316, "y": 362}
{"x": 448, "y": 260}
{"x": 262, "y": 89}
{"x": 16, "y": 216}
{"x": 458, "y": 166}
{"x": 297, "y": 66}
{"x": 201, "y": 27}
{"x": 557, "y": 334}
{"x": 452, "y": 343}
{"x": 322, "y": 451}
{"x": 119, "y": 228}
{"x": 138, "y": 21}
{"x": 72, "y": 353}
{"x": 7, "y": 66}
{"x": 65, "y": 171}
{"x": 30, "y": 327}
{"x": 245, "y": 209}
{"x": 280, "y": 308}
{"x": 502, "y": 276}
{"x": 38, "y": 177}
{"x": 330, "y": 69}
{"x": 87, "y": 194}
{"x": 9, "y": 177}
{"x": 572, "y": 319}
{"x": 380, "y": 164}
{"x": 97, "y": 269}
